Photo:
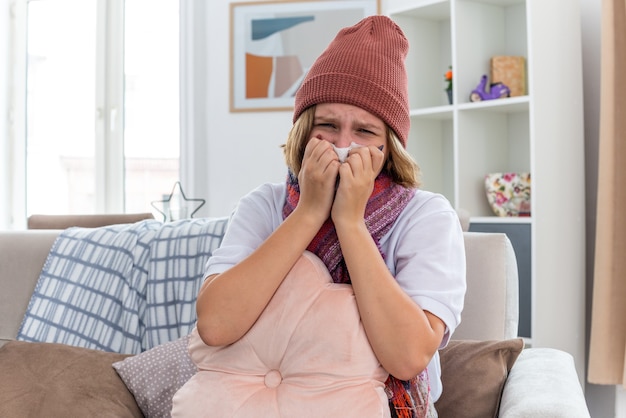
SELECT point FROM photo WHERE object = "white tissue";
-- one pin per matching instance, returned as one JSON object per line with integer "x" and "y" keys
{"x": 342, "y": 153}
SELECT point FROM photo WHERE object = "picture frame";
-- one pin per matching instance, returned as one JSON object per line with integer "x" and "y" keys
{"x": 273, "y": 43}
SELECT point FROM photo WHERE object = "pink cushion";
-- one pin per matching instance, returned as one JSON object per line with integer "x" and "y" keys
{"x": 307, "y": 355}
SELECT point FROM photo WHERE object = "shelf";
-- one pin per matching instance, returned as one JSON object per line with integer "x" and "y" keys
{"x": 501, "y": 219}
{"x": 439, "y": 112}
{"x": 505, "y": 105}
{"x": 427, "y": 26}
{"x": 501, "y": 2}
{"x": 484, "y": 30}
{"x": 425, "y": 9}
{"x": 541, "y": 133}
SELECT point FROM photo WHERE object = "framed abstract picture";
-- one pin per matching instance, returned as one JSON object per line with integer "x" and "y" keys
{"x": 274, "y": 43}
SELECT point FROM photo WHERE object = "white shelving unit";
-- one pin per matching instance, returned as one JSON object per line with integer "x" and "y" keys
{"x": 540, "y": 132}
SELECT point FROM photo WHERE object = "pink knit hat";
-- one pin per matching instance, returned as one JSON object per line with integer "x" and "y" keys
{"x": 363, "y": 66}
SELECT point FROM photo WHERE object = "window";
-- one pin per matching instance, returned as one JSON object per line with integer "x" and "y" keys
{"x": 101, "y": 106}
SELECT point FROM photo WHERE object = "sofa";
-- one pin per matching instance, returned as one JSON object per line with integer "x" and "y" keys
{"x": 486, "y": 369}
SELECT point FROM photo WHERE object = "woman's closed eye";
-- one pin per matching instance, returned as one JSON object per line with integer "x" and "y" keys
{"x": 327, "y": 125}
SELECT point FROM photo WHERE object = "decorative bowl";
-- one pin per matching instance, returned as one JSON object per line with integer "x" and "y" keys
{"x": 508, "y": 194}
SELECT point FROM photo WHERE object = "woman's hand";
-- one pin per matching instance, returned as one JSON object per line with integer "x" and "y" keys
{"x": 317, "y": 178}
{"x": 230, "y": 303}
{"x": 356, "y": 183}
{"x": 383, "y": 305}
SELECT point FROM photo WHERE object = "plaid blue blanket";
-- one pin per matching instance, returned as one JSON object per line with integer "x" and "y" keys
{"x": 122, "y": 288}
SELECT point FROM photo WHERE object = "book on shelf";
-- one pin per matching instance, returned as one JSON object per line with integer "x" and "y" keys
{"x": 511, "y": 71}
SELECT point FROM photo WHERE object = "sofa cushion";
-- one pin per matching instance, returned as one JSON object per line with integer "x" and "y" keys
{"x": 473, "y": 374}
{"x": 155, "y": 375}
{"x": 55, "y": 380}
{"x": 307, "y": 355}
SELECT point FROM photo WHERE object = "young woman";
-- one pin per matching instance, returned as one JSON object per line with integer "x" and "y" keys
{"x": 401, "y": 248}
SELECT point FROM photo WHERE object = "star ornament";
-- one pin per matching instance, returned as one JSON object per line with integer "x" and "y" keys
{"x": 177, "y": 205}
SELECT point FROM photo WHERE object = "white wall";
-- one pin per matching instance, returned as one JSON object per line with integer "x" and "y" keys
{"x": 243, "y": 149}
{"x": 4, "y": 109}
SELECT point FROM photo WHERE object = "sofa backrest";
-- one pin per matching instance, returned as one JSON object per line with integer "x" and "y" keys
{"x": 38, "y": 221}
{"x": 22, "y": 256}
{"x": 491, "y": 302}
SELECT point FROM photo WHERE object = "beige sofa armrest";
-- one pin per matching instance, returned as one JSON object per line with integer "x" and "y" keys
{"x": 543, "y": 383}
{"x": 22, "y": 256}
{"x": 491, "y": 302}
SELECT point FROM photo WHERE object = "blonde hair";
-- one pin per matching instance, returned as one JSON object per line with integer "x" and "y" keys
{"x": 400, "y": 164}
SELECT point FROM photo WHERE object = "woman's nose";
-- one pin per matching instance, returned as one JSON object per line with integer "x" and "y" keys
{"x": 343, "y": 139}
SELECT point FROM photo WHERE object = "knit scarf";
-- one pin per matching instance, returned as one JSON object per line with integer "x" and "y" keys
{"x": 410, "y": 398}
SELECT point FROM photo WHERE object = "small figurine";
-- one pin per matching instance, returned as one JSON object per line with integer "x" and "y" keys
{"x": 496, "y": 91}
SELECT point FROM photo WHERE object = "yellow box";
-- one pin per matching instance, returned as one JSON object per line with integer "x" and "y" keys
{"x": 511, "y": 71}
